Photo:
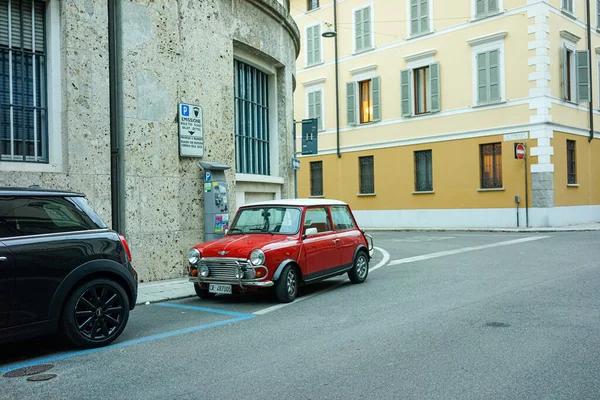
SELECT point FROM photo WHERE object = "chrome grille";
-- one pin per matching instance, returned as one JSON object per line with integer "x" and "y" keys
{"x": 224, "y": 268}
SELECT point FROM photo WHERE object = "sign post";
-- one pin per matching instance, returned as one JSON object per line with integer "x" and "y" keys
{"x": 521, "y": 154}
{"x": 191, "y": 140}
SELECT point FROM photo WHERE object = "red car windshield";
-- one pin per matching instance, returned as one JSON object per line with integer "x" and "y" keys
{"x": 276, "y": 220}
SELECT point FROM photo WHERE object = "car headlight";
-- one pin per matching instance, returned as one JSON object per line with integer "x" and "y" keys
{"x": 204, "y": 271}
{"x": 193, "y": 256}
{"x": 257, "y": 257}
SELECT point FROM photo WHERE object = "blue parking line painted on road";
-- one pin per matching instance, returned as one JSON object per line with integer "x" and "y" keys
{"x": 50, "y": 359}
{"x": 210, "y": 310}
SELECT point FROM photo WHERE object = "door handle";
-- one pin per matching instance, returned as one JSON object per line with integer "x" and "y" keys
{"x": 3, "y": 259}
{"x": 336, "y": 240}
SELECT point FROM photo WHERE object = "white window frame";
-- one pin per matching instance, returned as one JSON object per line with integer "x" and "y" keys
{"x": 409, "y": 17}
{"x": 320, "y": 45}
{"x": 354, "y": 10}
{"x": 316, "y": 87}
{"x": 474, "y": 10}
{"x": 359, "y": 75}
{"x": 421, "y": 60}
{"x": 481, "y": 45}
{"x": 271, "y": 71}
{"x": 54, "y": 99}
{"x": 573, "y": 76}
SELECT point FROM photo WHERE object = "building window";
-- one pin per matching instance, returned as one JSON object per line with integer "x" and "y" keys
{"x": 312, "y": 4}
{"x": 367, "y": 175}
{"x": 419, "y": 17}
{"x": 485, "y": 8}
{"x": 364, "y": 96}
{"x": 488, "y": 77}
{"x": 315, "y": 106}
{"x": 251, "y": 120}
{"x": 423, "y": 171}
{"x": 316, "y": 178}
{"x": 363, "y": 38}
{"x": 567, "y": 5}
{"x": 571, "y": 163}
{"x": 423, "y": 96}
{"x": 491, "y": 165}
{"x": 313, "y": 45}
{"x": 23, "y": 107}
{"x": 575, "y": 74}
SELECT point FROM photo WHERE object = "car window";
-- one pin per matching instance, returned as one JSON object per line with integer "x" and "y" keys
{"x": 317, "y": 218}
{"x": 20, "y": 216}
{"x": 342, "y": 219}
{"x": 284, "y": 220}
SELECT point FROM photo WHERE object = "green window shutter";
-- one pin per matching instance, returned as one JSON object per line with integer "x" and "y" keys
{"x": 494, "y": 68}
{"x": 317, "y": 43}
{"x": 358, "y": 27}
{"x": 480, "y": 8}
{"x": 565, "y": 73}
{"x": 597, "y": 14}
{"x": 424, "y": 16}
{"x": 317, "y": 109}
{"x": 583, "y": 74}
{"x": 351, "y": 103}
{"x": 405, "y": 92}
{"x": 434, "y": 86}
{"x": 492, "y": 6}
{"x": 414, "y": 17}
{"x": 376, "y": 98}
{"x": 367, "y": 44}
{"x": 310, "y": 58}
{"x": 311, "y": 105}
{"x": 482, "y": 78}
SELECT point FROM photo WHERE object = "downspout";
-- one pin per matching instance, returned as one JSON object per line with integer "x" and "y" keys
{"x": 117, "y": 139}
{"x": 589, "y": 45}
{"x": 337, "y": 101}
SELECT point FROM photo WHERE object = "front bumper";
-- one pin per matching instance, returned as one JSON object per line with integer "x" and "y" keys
{"x": 237, "y": 282}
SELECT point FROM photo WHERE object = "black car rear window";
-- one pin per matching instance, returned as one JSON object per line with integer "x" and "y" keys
{"x": 21, "y": 216}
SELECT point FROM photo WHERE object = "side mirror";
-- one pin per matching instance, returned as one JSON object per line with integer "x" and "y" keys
{"x": 226, "y": 232}
{"x": 311, "y": 232}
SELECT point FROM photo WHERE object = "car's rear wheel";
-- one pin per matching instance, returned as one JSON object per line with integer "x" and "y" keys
{"x": 360, "y": 269}
{"x": 95, "y": 313}
{"x": 286, "y": 287}
{"x": 203, "y": 293}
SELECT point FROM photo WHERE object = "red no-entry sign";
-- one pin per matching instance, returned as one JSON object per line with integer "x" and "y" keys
{"x": 519, "y": 151}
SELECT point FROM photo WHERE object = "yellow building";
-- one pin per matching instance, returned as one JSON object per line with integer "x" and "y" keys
{"x": 433, "y": 95}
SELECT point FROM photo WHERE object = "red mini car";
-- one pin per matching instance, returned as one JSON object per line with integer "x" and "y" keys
{"x": 282, "y": 243}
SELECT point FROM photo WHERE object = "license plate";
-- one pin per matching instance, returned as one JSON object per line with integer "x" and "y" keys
{"x": 222, "y": 289}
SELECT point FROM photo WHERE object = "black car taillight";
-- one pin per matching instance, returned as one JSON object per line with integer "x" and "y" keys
{"x": 127, "y": 251}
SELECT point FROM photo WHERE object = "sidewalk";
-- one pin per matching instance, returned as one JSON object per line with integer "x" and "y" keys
{"x": 570, "y": 228}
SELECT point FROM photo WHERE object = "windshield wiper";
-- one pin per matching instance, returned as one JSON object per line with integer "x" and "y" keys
{"x": 236, "y": 229}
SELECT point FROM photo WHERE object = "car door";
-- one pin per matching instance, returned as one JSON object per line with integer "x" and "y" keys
{"x": 7, "y": 282}
{"x": 346, "y": 232}
{"x": 320, "y": 250}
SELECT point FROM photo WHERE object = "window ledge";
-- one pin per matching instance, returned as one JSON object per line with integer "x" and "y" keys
{"x": 425, "y": 114}
{"x": 496, "y": 103}
{"x": 424, "y": 192}
{"x": 420, "y": 35}
{"x": 317, "y": 197}
{"x": 259, "y": 178}
{"x": 357, "y": 52}
{"x": 476, "y": 18}
{"x": 314, "y": 64}
{"x": 313, "y": 10}
{"x": 568, "y": 14}
{"x": 491, "y": 190}
{"x": 573, "y": 185}
{"x": 365, "y": 195}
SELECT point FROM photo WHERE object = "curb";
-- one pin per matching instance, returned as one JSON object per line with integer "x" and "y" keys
{"x": 166, "y": 298}
{"x": 511, "y": 230}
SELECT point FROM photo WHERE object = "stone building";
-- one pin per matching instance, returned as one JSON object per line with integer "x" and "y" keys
{"x": 64, "y": 98}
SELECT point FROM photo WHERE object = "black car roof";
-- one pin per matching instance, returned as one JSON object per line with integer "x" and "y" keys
{"x": 36, "y": 191}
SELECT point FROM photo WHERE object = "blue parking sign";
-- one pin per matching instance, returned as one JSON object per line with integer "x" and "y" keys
{"x": 185, "y": 110}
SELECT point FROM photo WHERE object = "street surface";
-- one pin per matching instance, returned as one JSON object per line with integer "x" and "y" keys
{"x": 448, "y": 315}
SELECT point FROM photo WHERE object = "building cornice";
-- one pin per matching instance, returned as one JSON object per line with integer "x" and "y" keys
{"x": 571, "y": 37}
{"x": 364, "y": 69}
{"x": 313, "y": 82}
{"x": 421, "y": 55}
{"x": 278, "y": 12}
{"x": 494, "y": 37}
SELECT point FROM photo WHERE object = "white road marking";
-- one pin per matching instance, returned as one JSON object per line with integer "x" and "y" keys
{"x": 464, "y": 250}
{"x": 386, "y": 257}
{"x": 418, "y": 239}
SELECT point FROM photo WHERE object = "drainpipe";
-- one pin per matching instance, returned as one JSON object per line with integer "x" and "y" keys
{"x": 117, "y": 139}
{"x": 337, "y": 101}
{"x": 589, "y": 45}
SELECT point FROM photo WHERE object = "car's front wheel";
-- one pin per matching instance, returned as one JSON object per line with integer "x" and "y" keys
{"x": 360, "y": 269}
{"x": 203, "y": 293}
{"x": 286, "y": 287}
{"x": 95, "y": 313}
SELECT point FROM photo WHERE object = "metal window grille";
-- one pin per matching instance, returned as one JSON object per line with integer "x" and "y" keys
{"x": 251, "y": 120}
{"x": 423, "y": 171}
{"x": 571, "y": 163}
{"x": 367, "y": 175}
{"x": 312, "y": 4}
{"x": 316, "y": 178}
{"x": 23, "y": 108}
{"x": 491, "y": 165}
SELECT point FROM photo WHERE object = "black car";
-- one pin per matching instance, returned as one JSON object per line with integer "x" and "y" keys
{"x": 61, "y": 269}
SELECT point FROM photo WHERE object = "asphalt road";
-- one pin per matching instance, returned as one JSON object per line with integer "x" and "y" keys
{"x": 447, "y": 315}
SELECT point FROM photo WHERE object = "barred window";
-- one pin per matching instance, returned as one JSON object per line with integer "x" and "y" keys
{"x": 23, "y": 108}
{"x": 491, "y": 165}
{"x": 316, "y": 178}
{"x": 367, "y": 175}
{"x": 571, "y": 163}
{"x": 423, "y": 171}
{"x": 251, "y": 120}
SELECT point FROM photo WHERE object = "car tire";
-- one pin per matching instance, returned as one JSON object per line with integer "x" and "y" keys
{"x": 360, "y": 269}
{"x": 203, "y": 293}
{"x": 95, "y": 313}
{"x": 286, "y": 287}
